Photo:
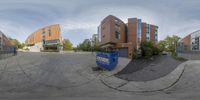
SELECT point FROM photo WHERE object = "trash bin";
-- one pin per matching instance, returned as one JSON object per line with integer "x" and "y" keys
{"x": 107, "y": 61}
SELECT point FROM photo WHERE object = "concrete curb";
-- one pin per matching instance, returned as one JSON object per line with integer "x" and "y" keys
{"x": 147, "y": 86}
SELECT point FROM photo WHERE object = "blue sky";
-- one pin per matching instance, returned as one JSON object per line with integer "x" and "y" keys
{"x": 79, "y": 18}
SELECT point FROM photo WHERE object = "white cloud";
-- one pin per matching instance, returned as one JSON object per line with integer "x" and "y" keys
{"x": 75, "y": 25}
{"x": 79, "y": 19}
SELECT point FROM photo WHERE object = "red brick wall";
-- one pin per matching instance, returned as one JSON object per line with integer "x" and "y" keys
{"x": 143, "y": 32}
{"x": 186, "y": 40}
{"x": 37, "y": 36}
{"x": 132, "y": 31}
{"x": 108, "y": 28}
{"x": 130, "y": 41}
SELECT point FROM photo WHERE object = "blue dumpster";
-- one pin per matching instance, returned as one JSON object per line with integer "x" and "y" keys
{"x": 107, "y": 61}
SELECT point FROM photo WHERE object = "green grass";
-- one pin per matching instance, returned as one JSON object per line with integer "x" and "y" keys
{"x": 179, "y": 58}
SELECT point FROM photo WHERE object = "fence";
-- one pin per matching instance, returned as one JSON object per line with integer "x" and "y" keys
{"x": 191, "y": 52}
{"x": 7, "y": 51}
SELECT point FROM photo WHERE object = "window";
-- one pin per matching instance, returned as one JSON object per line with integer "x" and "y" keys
{"x": 148, "y": 38}
{"x": 195, "y": 43}
{"x": 116, "y": 21}
{"x": 43, "y": 42}
{"x": 43, "y": 31}
{"x": 52, "y": 42}
{"x": 148, "y": 32}
{"x": 156, "y": 36}
{"x": 43, "y": 35}
{"x": 117, "y": 27}
{"x": 49, "y": 32}
{"x": 117, "y": 35}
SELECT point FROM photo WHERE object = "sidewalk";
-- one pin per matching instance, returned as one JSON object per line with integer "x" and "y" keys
{"x": 146, "y": 86}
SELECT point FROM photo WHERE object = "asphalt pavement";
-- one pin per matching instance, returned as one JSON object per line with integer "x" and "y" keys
{"x": 61, "y": 76}
{"x": 148, "y": 69}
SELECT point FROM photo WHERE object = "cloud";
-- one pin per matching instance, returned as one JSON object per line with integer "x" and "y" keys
{"x": 77, "y": 30}
{"x": 79, "y": 19}
{"x": 73, "y": 25}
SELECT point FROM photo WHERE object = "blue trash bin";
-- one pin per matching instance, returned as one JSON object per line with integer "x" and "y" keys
{"x": 107, "y": 61}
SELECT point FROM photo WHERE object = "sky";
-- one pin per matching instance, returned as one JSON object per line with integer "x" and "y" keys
{"x": 79, "y": 19}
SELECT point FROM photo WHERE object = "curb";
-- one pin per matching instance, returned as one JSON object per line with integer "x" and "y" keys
{"x": 160, "y": 84}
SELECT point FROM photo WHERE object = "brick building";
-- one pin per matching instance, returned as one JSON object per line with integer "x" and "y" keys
{"x": 115, "y": 34}
{"x": 47, "y": 38}
{"x": 190, "y": 42}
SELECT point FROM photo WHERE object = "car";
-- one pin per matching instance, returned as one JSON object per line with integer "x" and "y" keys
{"x": 164, "y": 53}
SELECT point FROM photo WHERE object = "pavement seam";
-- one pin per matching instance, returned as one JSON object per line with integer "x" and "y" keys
{"x": 122, "y": 84}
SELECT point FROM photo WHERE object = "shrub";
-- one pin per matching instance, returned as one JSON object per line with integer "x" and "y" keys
{"x": 147, "y": 49}
{"x": 156, "y": 51}
{"x": 136, "y": 54}
{"x": 148, "y": 52}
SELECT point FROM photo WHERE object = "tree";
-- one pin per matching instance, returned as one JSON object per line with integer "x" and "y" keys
{"x": 146, "y": 49}
{"x": 22, "y": 45}
{"x": 91, "y": 44}
{"x": 162, "y": 45}
{"x": 67, "y": 45}
{"x": 95, "y": 42}
{"x": 171, "y": 43}
{"x": 85, "y": 46}
{"x": 16, "y": 43}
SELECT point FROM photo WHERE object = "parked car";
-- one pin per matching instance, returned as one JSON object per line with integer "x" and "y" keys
{"x": 164, "y": 53}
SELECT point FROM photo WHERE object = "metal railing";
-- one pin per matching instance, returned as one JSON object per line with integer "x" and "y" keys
{"x": 190, "y": 51}
{"x": 7, "y": 51}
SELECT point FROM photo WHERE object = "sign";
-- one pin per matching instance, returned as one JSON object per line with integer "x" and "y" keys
{"x": 102, "y": 59}
{"x": 107, "y": 60}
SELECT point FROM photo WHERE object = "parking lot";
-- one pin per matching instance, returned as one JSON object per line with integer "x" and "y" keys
{"x": 70, "y": 75}
{"x": 44, "y": 73}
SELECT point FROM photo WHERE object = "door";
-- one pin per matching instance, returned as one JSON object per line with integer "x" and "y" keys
{"x": 123, "y": 52}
